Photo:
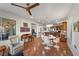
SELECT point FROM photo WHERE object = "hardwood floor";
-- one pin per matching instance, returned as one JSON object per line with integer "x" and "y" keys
{"x": 37, "y": 49}
{"x": 63, "y": 51}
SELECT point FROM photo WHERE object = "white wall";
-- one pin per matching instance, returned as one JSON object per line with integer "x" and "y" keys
{"x": 73, "y": 39}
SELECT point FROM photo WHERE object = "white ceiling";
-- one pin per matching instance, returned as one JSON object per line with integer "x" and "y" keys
{"x": 44, "y": 13}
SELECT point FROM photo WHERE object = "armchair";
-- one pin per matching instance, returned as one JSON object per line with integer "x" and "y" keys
{"x": 15, "y": 45}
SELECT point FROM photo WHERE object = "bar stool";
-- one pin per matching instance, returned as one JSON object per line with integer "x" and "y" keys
{"x": 56, "y": 41}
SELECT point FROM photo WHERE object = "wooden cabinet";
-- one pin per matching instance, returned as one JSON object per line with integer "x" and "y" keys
{"x": 60, "y": 26}
{"x": 64, "y": 25}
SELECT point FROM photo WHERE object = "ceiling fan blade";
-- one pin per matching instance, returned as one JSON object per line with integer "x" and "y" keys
{"x": 32, "y": 6}
{"x": 29, "y": 12}
{"x": 18, "y": 5}
{"x": 28, "y": 4}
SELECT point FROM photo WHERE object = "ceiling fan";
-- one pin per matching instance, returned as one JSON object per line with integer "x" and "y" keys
{"x": 28, "y": 8}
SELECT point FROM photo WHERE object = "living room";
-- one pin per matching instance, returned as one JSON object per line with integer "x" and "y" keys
{"x": 22, "y": 34}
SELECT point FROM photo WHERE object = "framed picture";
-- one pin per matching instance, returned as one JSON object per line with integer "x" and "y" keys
{"x": 76, "y": 26}
{"x": 22, "y": 29}
{"x": 27, "y": 29}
